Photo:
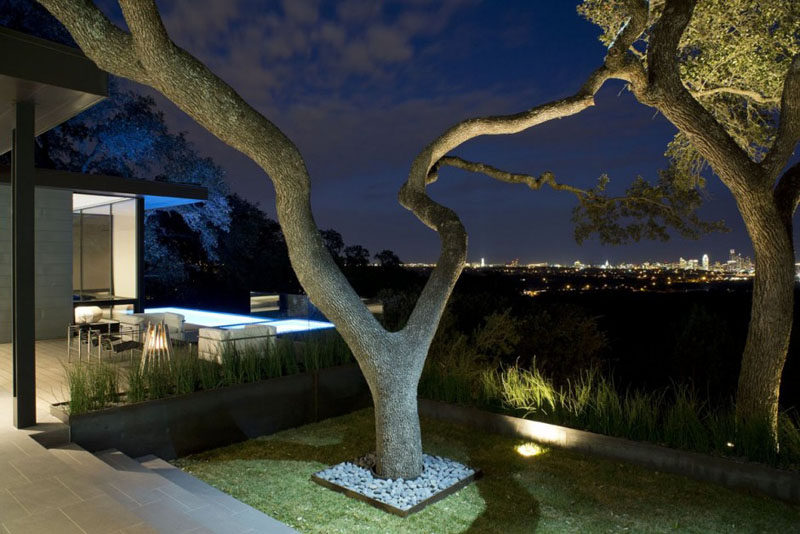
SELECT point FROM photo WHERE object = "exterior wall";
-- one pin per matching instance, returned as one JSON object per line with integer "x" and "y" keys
{"x": 53, "y": 250}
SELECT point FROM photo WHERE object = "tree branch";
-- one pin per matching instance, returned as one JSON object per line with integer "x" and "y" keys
{"x": 104, "y": 43}
{"x": 788, "y": 134}
{"x": 534, "y": 182}
{"x": 619, "y": 63}
{"x": 752, "y": 95}
{"x": 668, "y": 94}
{"x": 548, "y": 178}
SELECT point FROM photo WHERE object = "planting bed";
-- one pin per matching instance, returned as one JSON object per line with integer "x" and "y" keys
{"x": 440, "y": 477}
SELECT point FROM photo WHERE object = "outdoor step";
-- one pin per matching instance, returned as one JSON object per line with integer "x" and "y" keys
{"x": 222, "y": 504}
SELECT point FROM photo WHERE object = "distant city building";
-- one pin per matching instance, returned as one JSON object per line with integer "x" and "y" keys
{"x": 737, "y": 264}
{"x": 514, "y": 263}
{"x": 483, "y": 262}
{"x": 706, "y": 262}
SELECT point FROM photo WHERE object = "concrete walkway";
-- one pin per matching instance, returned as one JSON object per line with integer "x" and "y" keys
{"x": 67, "y": 490}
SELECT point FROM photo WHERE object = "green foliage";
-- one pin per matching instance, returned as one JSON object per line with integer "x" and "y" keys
{"x": 287, "y": 356}
{"x": 137, "y": 386}
{"x": 673, "y": 416}
{"x": 528, "y": 391}
{"x": 683, "y": 427}
{"x": 96, "y": 386}
{"x": 159, "y": 380}
{"x": 92, "y": 386}
{"x": 457, "y": 363}
{"x": 646, "y": 211}
{"x": 789, "y": 439}
{"x": 325, "y": 349}
{"x": 733, "y": 56}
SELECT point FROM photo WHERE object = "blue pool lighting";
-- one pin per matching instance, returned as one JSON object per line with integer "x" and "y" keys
{"x": 208, "y": 318}
{"x": 233, "y": 320}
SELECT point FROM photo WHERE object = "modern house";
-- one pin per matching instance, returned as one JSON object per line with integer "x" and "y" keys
{"x": 88, "y": 241}
{"x": 66, "y": 239}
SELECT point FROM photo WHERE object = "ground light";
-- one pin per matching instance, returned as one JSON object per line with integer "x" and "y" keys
{"x": 529, "y": 449}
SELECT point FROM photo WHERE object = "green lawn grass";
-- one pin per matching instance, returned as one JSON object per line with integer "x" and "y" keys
{"x": 553, "y": 491}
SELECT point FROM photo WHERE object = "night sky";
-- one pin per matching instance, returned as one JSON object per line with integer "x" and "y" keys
{"x": 361, "y": 86}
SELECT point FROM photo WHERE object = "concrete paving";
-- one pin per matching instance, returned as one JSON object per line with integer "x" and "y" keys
{"x": 65, "y": 489}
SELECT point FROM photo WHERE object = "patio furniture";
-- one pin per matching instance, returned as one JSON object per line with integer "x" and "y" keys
{"x": 125, "y": 339}
{"x": 212, "y": 342}
{"x": 174, "y": 321}
{"x": 80, "y": 335}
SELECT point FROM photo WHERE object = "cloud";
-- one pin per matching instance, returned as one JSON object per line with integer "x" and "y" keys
{"x": 301, "y": 11}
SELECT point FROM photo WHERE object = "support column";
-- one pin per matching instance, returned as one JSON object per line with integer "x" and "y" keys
{"x": 139, "y": 306}
{"x": 23, "y": 270}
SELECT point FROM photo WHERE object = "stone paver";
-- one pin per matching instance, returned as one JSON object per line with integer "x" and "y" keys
{"x": 67, "y": 490}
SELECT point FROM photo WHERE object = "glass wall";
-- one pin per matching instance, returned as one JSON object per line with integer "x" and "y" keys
{"x": 104, "y": 251}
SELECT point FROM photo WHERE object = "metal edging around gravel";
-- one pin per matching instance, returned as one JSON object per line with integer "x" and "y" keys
{"x": 751, "y": 476}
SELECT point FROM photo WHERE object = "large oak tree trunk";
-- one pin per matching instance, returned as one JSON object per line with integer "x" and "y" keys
{"x": 397, "y": 432}
{"x": 771, "y": 314}
{"x": 392, "y": 371}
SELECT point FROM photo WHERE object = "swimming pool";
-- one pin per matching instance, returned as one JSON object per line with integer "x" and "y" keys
{"x": 233, "y": 320}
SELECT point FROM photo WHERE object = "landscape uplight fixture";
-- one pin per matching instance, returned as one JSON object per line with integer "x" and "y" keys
{"x": 529, "y": 449}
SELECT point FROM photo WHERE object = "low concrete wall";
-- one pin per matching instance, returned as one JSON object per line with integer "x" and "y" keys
{"x": 177, "y": 426}
{"x": 751, "y": 476}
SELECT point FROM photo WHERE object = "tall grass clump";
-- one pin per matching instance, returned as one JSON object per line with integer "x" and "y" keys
{"x": 287, "y": 355}
{"x": 528, "y": 391}
{"x": 159, "y": 380}
{"x": 789, "y": 439}
{"x": 642, "y": 412}
{"x": 185, "y": 369}
{"x": 231, "y": 368}
{"x": 325, "y": 349}
{"x": 576, "y": 397}
{"x": 673, "y": 416}
{"x": 78, "y": 382}
{"x": 251, "y": 362}
{"x": 683, "y": 425}
{"x": 92, "y": 386}
{"x": 137, "y": 385}
{"x": 606, "y": 415}
{"x": 103, "y": 384}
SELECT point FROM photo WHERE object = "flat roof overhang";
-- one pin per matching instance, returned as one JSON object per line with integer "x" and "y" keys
{"x": 59, "y": 79}
{"x": 156, "y": 194}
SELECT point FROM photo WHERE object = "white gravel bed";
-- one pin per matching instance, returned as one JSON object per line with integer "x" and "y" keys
{"x": 438, "y": 475}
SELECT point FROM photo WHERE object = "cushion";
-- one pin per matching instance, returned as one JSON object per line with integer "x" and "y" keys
{"x": 88, "y": 314}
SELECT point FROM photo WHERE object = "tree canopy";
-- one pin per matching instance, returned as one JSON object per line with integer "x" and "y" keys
{"x": 733, "y": 57}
